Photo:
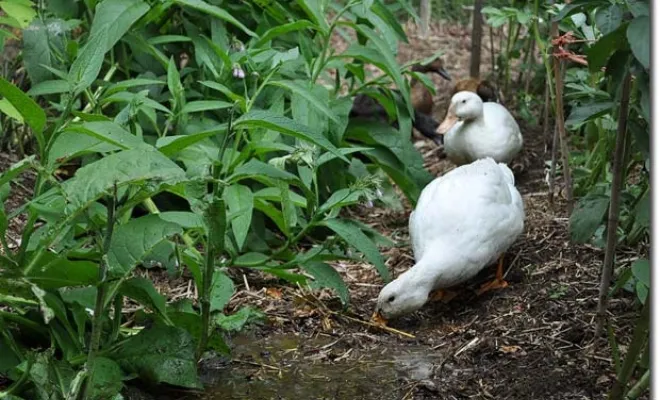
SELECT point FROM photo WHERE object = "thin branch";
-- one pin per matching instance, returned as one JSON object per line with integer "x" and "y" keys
{"x": 477, "y": 23}
{"x": 613, "y": 216}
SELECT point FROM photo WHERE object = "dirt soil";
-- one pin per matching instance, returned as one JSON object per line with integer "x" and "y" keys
{"x": 531, "y": 340}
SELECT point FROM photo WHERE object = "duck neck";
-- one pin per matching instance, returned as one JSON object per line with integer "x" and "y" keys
{"x": 438, "y": 265}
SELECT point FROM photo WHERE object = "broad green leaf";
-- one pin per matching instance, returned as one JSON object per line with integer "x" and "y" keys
{"x": 283, "y": 29}
{"x": 354, "y": 237}
{"x": 271, "y": 212}
{"x": 31, "y": 112}
{"x": 163, "y": 39}
{"x": 326, "y": 157}
{"x": 174, "y": 85}
{"x": 390, "y": 19}
{"x": 9, "y": 110}
{"x": 282, "y": 124}
{"x": 133, "y": 241}
{"x": 600, "y": 52}
{"x": 326, "y": 276}
{"x": 642, "y": 291}
{"x": 582, "y": 114}
{"x": 639, "y": 37}
{"x": 140, "y": 99}
{"x": 215, "y": 12}
{"x": 341, "y": 198}
{"x": 131, "y": 83}
{"x": 171, "y": 145}
{"x": 643, "y": 210}
{"x": 240, "y": 201}
{"x": 609, "y": 18}
{"x": 215, "y": 217}
{"x": 307, "y": 94}
{"x": 641, "y": 270}
{"x": 87, "y": 65}
{"x": 88, "y": 137}
{"x": 237, "y": 321}
{"x": 205, "y": 105}
{"x": 129, "y": 166}
{"x": 251, "y": 259}
{"x": 587, "y": 217}
{"x": 412, "y": 163}
{"x": 37, "y": 41}
{"x": 185, "y": 219}
{"x": 273, "y": 194}
{"x": 58, "y": 271}
{"x": 254, "y": 169}
{"x": 106, "y": 381}
{"x": 49, "y": 87}
{"x": 160, "y": 354}
{"x": 315, "y": 12}
{"x": 116, "y": 17}
{"x": 224, "y": 90}
{"x": 221, "y": 291}
{"x": 16, "y": 169}
{"x": 288, "y": 208}
{"x": 21, "y": 11}
{"x": 392, "y": 68}
{"x": 638, "y": 8}
{"x": 143, "y": 291}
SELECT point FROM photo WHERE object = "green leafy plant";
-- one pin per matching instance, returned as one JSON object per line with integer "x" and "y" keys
{"x": 203, "y": 138}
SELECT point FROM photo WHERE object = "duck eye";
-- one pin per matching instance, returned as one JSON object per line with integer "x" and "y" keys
{"x": 463, "y": 101}
{"x": 391, "y": 299}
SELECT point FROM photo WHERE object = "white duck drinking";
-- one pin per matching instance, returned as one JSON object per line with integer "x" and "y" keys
{"x": 474, "y": 129}
{"x": 463, "y": 222}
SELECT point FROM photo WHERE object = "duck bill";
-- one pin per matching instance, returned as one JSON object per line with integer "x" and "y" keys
{"x": 443, "y": 73}
{"x": 378, "y": 319}
{"x": 450, "y": 120}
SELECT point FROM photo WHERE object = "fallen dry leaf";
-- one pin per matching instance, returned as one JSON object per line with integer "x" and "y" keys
{"x": 510, "y": 349}
{"x": 274, "y": 293}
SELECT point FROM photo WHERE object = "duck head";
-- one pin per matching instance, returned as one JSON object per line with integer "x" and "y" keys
{"x": 464, "y": 106}
{"x": 399, "y": 297}
{"x": 436, "y": 66}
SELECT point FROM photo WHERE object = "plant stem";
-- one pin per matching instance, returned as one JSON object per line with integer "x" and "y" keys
{"x": 613, "y": 216}
{"x": 553, "y": 166}
{"x": 563, "y": 138}
{"x": 639, "y": 339}
{"x": 641, "y": 385}
{"x": 97, "y": 320}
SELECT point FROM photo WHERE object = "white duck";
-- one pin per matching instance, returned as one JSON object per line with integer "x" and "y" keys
{"x": 463, "y": 222}
{"x": 473, "y": 130}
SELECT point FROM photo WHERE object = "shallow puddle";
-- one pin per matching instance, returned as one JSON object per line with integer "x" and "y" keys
{"x": 288, "y": 367}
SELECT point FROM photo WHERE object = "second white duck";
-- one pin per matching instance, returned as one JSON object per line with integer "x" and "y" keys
{"x": 463, "y": 222}
{"x": 473, "y": 130}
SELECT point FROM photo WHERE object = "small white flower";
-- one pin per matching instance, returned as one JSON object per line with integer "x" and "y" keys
{"x": 238, "y": 72}
{"x": 370, "y": 204}
{"x": 379, "y": 193}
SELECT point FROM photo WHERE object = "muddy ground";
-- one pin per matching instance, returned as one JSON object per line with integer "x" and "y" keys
{"x": 532, "y": 340}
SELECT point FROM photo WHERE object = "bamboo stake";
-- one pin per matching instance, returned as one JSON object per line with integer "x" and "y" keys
{"x": 613, "y": 215}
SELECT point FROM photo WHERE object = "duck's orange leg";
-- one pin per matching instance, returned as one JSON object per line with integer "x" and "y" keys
{"x": 498, "y": 283}
{"x": 443, "y": 295}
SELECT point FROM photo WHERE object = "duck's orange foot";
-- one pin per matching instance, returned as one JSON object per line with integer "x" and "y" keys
{"x": 495, "y": 284}
{"x": 442, "y": 295}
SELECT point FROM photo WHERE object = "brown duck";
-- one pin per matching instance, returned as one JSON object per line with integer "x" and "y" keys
{"x": 364, "y": 106}
{"x": 484, "y": 89}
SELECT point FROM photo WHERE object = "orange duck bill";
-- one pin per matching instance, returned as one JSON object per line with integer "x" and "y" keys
{"x": 378, "y": 319}
{"x": 450, "y": 120}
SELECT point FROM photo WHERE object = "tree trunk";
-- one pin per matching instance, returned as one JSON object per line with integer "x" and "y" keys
{"x": 475, "y": 59}
{"x": 613, "y": 215}
{"x": 425, "y": 15}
